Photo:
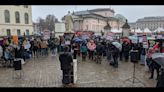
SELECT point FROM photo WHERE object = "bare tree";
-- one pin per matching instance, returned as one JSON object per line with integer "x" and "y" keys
{"x": 41, "y": 23}
{"x": 50, "y": 22}
{"x": 47, "y": 23}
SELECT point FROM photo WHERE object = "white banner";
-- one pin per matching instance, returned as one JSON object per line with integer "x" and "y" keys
{"x": 74, "y": 70}
{"x": 145, "y": 42}
{"x": 46, "y": 34}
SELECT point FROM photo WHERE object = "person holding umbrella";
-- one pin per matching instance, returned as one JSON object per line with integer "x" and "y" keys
{"x": 91, "y": 46}
{"x": 109, "y": 52}
{"x": 125, "y": 49}
{"x": 115, "y": 55}
{"x": 152, "y": 62}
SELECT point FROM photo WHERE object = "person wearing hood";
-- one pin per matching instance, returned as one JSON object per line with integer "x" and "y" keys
{"x": 115, "y": 55}
{"x": 66, "y": 64}
{"x": 125, "y": 49}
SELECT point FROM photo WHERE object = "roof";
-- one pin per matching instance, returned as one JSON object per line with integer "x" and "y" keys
{"x": 102, "y": 9}
{"x": 152, "y": 18}
{"x": 81, "y": 13}
{"x": 120, "y": 17}
{"x": 87, "y": 14}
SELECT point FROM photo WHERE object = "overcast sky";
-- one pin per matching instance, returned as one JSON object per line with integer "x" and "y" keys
{"x": 131, "y": 12}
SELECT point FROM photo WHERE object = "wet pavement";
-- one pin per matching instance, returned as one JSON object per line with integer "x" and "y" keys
{"x": 45, "y": 72}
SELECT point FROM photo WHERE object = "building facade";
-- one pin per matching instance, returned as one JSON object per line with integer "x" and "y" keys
{"x": 16, "y": 20}
{"x": 151, "y": 23}
{"x": 96, "y": 19}
{"x": 37, "y": 30}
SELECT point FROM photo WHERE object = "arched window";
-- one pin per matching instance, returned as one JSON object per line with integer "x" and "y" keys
{"x": 7, "y": 16}
{"x": 26, "y": 18}
{"x": 17, "y": 17}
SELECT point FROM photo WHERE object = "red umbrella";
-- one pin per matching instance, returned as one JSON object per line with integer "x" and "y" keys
{"x": 126, "y": 40}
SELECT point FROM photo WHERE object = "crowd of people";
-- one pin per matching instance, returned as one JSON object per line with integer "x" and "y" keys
{"x": 98, "y": 48}
{"x": 26, "y": 48}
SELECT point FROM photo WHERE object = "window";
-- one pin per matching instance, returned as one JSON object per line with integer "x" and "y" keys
{"x": 18, "y": 32}
{"x": 25, "y": 6}
{"x": 8, "y": 32}
{"x": 26, "y": 18}
{"x": 27, "y": 32}
{"x": 17, "y": 17}
{"x": 7, "y": 16}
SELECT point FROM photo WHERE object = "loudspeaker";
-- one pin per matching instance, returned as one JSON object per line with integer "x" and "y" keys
{"x": 17, "y": 65}
{"x": 134, "y": 55}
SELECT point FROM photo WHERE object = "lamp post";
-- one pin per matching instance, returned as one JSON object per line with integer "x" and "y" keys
{"x": 125, "y": 29}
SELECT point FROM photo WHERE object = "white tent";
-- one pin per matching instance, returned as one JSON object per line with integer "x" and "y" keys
{"x": 146, "y": 30}
{"x": 138, "y": 31}
{"x": 159, "y": 29}
{"x": 132, "y": 30}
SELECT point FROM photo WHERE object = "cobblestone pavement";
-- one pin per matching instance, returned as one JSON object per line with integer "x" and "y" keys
{"x": 45, "y": 72}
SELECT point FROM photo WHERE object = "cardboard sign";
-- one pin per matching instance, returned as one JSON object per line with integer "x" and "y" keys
{"x": 110, "y": 36}
{"x": 67, "y": 42}
{"x": 15, "y": 39}
{"x": 145, "y": 42}
{"x": 134, "y": 40}
{"x": 140, "y": 39}
{"x": 46, "y": 34}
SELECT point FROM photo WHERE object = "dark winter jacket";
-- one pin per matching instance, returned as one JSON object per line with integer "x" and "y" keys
{"x": 99, "y": 49}
{"x": 65, "y": 61}
{"x": 160, "y": 82}
{"x": 115, "y": 52}
{"x": 126, "y": 47}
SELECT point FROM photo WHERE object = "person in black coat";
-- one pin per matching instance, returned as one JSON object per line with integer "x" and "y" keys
{"x": 125, "y": 49}
{"x": 66, "y": 66}
{"x": 99, "y": 52}
{"x": 160, "y": 82}
{"x": 115, "y": 55}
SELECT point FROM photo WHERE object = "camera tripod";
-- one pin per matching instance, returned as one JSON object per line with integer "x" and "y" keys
{"x": 134, "y": 79}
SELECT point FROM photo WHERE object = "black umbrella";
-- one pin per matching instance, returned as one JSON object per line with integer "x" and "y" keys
{"x": 159, "y": 58}
{"x": 159, "y": 40}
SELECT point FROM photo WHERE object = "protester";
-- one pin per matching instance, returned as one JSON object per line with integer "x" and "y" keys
{"x": 125, "y": 49}
{"x": 99, "y": 51}
{"x": 109, "y": 52}
{"x": 66, "y": 66}
{"x": 115, "y": 55}
{"x": 35, "y": 48}
{"x": 91, "y": 46}
{"x": 1, "y": 51}
{"x": 143, "y": 56}
{"x": 83, "y": 49}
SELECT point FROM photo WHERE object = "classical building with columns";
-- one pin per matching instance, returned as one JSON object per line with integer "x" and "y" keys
{"x": 96, "y": 19}
{"x": 152, "y": 23}
{"x": 16, "y": 20}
